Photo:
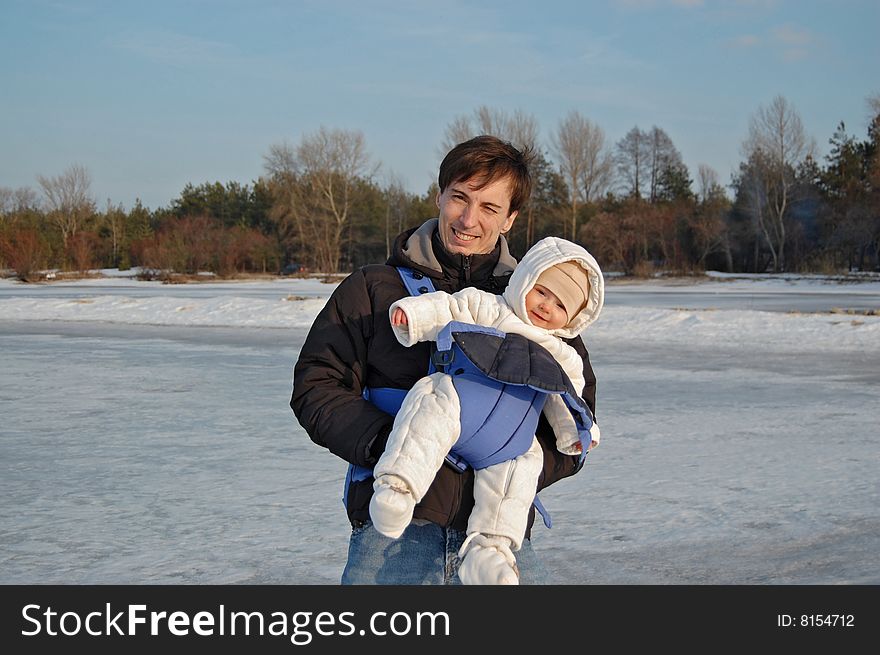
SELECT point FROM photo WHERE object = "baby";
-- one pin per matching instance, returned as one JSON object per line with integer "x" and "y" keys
{"x": 555, "y": 292}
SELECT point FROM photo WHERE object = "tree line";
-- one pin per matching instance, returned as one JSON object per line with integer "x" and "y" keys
{"x": 633, "y": 203}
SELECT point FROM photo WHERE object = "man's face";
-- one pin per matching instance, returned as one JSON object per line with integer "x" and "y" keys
{"x": 471, "y": 219}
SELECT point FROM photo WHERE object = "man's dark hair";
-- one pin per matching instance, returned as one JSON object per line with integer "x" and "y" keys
{"x": 485, "y": 159}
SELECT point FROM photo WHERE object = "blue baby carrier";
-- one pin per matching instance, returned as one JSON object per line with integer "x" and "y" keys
{"x": 502, "y": 381}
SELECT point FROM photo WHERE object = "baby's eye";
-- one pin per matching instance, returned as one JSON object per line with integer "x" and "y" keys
{"x": 561, "y": 306}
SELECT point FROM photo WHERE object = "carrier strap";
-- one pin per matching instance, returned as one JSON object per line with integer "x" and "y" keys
{"x": 415, "y": 282}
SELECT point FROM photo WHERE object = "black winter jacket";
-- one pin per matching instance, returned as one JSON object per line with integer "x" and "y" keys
{"x": 351, "y": 346}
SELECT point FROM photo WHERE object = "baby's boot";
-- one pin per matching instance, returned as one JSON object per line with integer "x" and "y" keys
{"x": 391, "y": 507}
{"x": 487, "y": 560}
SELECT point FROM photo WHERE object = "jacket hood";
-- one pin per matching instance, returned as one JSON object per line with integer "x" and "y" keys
{"x": 546, "y": 253}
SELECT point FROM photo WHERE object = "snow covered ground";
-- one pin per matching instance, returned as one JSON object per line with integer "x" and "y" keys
{"x": 146, "y": 437}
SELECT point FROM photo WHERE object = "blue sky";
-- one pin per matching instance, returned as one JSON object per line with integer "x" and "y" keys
{"x": 151, "y": 95}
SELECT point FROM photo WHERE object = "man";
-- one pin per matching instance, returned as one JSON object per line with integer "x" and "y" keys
{"x": 351, "y": 347}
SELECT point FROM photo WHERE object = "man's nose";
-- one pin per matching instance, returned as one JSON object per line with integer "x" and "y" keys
{"x": 468, "y": 216}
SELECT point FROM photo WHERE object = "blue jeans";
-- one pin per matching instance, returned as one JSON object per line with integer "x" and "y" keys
{"x": 425, "y": 554}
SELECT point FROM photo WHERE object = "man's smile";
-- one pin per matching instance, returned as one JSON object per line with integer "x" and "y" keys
{"x": 462, "y": 236}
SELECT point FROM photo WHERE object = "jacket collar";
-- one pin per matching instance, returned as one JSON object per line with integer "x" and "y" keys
{"x": 420, "y": 248}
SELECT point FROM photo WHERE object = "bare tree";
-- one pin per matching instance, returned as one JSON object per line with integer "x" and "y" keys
{"x": 332, "y": 161}
{"x": 281, "y": 160}
{"x": 7, "y": 204}
{"x": 69, "y": 199}
{"x": 520, "y": 129}
{"x": 13, "y": 201}
{"x": 776, "y": 144}
{"x": 632, "y": 156}
{"x": 707, "y": 181}
{"x": 458, "y": 131}
{"x": 395, "y": 210}
{"x": 114, "y": 221}
{"x": 873, "y": 103}
{"x": 584, "y": 160}
{"x": 283, "y": 169}
{"x": 708, "y": 229}
{"x": 315, "y": 184}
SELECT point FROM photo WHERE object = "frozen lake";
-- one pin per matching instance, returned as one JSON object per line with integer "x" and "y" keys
{"x": 159, "y": 455}
{"x": 737, "y": 445}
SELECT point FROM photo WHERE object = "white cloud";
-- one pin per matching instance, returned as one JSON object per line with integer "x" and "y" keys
{"x": 796, "y": 42}
{"x": 791, "y": 35}
{"x": 744, "y": 41}
{"x": 636, "y": 4}
{"x": 650, "y": 4}
{"x": 791, "y": 42}
{"x": 175, "y": 49}
{"x": 761, "y": 4}
{"x": 795, "y": 54}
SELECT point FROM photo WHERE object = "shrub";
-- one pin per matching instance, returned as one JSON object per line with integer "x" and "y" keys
{"x": 25, "y": 251}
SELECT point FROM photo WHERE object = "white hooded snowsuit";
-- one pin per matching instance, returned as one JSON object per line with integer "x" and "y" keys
{"x": 427, "y": 425}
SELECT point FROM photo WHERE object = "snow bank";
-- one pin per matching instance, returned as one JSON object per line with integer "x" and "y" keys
{"x": 220, "y": 311}
{"x": 222, "y": 308}
{"x": 754, "y": 330}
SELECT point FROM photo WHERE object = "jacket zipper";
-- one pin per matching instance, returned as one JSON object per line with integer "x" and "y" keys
{"x": 466, "y": 269}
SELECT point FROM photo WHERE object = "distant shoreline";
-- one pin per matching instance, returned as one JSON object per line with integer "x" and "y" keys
{"x": 611, "y": 277}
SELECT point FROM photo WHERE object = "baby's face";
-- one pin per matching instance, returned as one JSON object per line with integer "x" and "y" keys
{"x": 545, "y": 310}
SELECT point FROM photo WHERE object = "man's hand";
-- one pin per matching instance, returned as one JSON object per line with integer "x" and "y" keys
{"x": 398, "y": 317}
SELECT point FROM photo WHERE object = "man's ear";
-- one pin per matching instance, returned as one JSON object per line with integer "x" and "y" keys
{"x": 437, "y": 200}
{"x": 508, "y": 222}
